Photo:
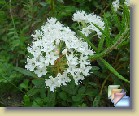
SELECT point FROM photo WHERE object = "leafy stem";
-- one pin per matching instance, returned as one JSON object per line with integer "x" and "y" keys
{"x": 108, "y": 66}
{"x": 106, "y": 51}
{"x": 88, "y": 41}
{"x": 109, "y": 49}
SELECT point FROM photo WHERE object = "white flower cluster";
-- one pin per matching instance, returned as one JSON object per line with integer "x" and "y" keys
{"x": 127, "y": 2}
{"x": 88, "y": 22}
{"x": 53, "y": 44}
{"x": 115, "y": 5}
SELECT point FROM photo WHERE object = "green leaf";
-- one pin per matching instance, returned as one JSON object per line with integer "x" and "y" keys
{"x": 100, "y": 45}
{"x": 15, "y": 43}
{"x": 107, "y": 31}
{"x": 83, "y": 105}
{"x": 51, "y": 98}
{"x": 11, "y": 29}
{"x": 96, "y": 101}
{"x": 39, "y": 83}
{"x": 63, "y": 95}
{"x": 93, "y": 84}
{"x": 32, "y": 92}
{"x": 24, "y": 72}
{"x": 76, "y": 98}
{"x": 11, "y": 33}
{"x": 91, "y": 92}
{"x": 39, "y": 101}
{"x": 98, "y": 74}
{"x": 116, "y": 20}
{"x": 113, "y": 70}
{"x": 61, "y": 1}
{"x": 35, "y": 104}
{"x": 124, "y": 59}
{"x": 43, "y": 93}
{"x": 24, "y": 85}
{"x": 64, "y": 11}
{"x": 71, "y": 88}
{"x": 95, "y": 68}
{"x": 43, "y": 3}
{"x": 81, "y": 90}
{"x": 2, "y": 2}
{"x": 27, "y": 101}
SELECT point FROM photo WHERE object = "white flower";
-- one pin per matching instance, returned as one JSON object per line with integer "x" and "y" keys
{"x": 88, "y": 22}
{"x": 83, "y": 61}
{"x": 64, "y": 51}
{"x": 70, "y": 60}
{"x": 79, "y": 16}
{"x": 127, "y": 2}
{"x": 37, "y": 34}
{"x": 63, "y": 79}
{"x": 115, "y": 5}
{"x": 86, "y": 31}
{"x": 40, "y": 71}
{"x": 31, "y": 64}
{"x": 72, "y": 70}
{"x": 52, "y": 83}
{"x": 86, "y": 70}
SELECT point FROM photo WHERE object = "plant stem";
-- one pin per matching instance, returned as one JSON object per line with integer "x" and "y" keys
{"x": 108, "y": 66}
{"x": 104, "y": 82}
{"x": 109, "y": 49}
{"x": 88, "y": 41}
{"x": 52, "y": 5}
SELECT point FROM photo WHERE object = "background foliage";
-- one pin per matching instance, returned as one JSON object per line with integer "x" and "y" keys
{"x": 110, "y": 65}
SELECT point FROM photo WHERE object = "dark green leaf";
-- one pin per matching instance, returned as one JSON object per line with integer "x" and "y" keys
{"x": 27, "y": 101}
{"x": 24, "y": 72}
{"x": 76, "y": 98}
{"x": 63, "y": 95}
{"x": 81, "y": 90}
{"x": 39, "y": 83}
{"x": 32, "y": 92}
{"x": 96, "y": 101}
